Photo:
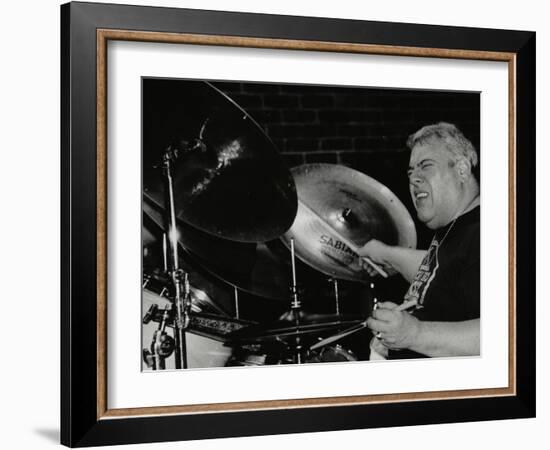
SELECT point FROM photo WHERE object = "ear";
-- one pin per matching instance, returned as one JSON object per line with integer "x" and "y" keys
{"x": 463, "y": 168}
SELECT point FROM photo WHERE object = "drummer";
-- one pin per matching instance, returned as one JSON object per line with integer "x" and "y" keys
{"x": 444, "y": 280}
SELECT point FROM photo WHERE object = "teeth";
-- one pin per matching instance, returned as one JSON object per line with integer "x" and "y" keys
{"x": 422, "y": 195}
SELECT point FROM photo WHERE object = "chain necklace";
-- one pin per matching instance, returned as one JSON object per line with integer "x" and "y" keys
{"x": 469, "y": 207}
{"x": 436, "y": 249}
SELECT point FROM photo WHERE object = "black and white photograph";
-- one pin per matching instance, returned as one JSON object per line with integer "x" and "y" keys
{"x": 296, "y": 224}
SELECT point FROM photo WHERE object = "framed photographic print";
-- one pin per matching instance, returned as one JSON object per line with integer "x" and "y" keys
{"x": 268, "y": 220}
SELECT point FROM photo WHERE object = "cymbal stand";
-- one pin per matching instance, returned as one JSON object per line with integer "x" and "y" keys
{"x": 295, "y": 308}
{"x": 336, "y": 296}
{"x": 236, "y": 299}
{"x": 180, "y": 279}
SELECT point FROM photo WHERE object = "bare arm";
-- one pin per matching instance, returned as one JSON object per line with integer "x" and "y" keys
{"x": 404, "y": 260}
{"x": 448, "y": 338}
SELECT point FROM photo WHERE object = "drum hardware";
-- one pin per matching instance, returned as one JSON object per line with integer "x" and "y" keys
{"x": 162, "y": 345}
{"x": 180, "y": 279}
{"x": 157, "y": 283}
{"x": 236, "y": 299}
{"x": 165, "y": 252}
{"x": 334, "y": 353}
{"x": 342, "y": 334}
{"x": 209, "y": 325}
{"x": 290, "y": 325}
{"x": 295, "y": 306}
{"x": 215, "y": 327}
{"x": 334, "y": 281}
{"x": 205, "y": 345}
{"x": 160, "y": 284}
{"x": 295, "y": 329}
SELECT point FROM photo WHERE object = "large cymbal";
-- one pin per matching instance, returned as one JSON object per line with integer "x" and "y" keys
{"x": 254, "y": 268}
{"x": 233, "y": 184}
{"x": 337, "y": 200}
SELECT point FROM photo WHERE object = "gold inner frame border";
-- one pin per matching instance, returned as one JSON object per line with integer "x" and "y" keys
{"x": 105, "y": 35}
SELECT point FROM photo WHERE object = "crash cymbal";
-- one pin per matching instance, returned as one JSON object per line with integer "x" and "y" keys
{"x": 253, "y": 268}
{"x": 229, "y": 179}
{"x": 335, "y": 200}
{"x": 292, "y": 325}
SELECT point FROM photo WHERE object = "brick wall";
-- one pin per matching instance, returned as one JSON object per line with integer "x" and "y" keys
{"x": 327, "y": 123}
{"x": 362, "y": 128}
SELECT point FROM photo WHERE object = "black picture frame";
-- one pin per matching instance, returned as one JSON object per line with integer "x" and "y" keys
{"x": 82, "y": 424}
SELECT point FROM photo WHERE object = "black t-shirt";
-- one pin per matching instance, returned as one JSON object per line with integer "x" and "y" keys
{"x": 446, "y": 285}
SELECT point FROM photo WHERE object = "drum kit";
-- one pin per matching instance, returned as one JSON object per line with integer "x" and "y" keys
{"x": 224, "y": 218}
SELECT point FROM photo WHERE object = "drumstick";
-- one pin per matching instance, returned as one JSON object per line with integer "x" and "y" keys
{"x": 346, "y": 241}
{"x": 406, "y": 305}
{"x": 339, "y": 336}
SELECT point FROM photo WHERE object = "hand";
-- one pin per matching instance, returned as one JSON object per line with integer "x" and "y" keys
{"x": 395, "y": 329}
{"x": 376, "y": 251}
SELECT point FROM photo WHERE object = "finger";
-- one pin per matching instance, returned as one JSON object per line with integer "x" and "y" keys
{"x": 387, "y": 305}
{"x": 385, "y": 315}
{"x": 377, "y": 325}
{"x": 389, "y": 340}
{"x": 363, "y": 251}
{"x": 370, "y": 270}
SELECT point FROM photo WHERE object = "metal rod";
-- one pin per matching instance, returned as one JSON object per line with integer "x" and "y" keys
{"x": 181, "y": 299}
{"x": 293, "y": 260}
{"x": 165, "y": 252}
{"x": 295, "y": 301}
{"x": 336, "y": 296}
{"x": 295, "y": 307}
{"x": 236, "y": 297}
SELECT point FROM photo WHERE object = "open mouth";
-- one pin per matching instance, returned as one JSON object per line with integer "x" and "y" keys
{"x": 419, "y": 195}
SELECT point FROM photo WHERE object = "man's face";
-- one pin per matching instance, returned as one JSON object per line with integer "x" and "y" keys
{"x": 434, "y": 184}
